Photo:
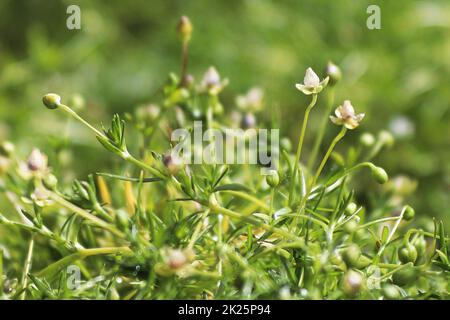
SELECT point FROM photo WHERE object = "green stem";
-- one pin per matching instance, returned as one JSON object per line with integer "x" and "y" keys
{"x": 86, "y": 215}
{"x": 27, "y": 267}
{"x": 248, "y": 197}
{"x": 391, "y": 234}
{"x": 338, "y": 137}
{"x": 253, "y": 221}
{"x": 322, "y": 129}
{"x": 300, "y": 146}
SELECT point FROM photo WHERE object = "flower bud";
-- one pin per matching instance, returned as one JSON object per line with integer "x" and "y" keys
{"x": 50, "y": 181}
{"x": 421, "y": 246}
{"x": 173, "y": 163}
{"x": 351, "y": 208}
{"x": 248, "y": 121}
{"x": 407, "y": 253}
{"x": 273, "y": 179}
{"x": 386, "y": 138}
{"x": 184, "y": 29}
{"x": 6, "y": 149}
{"x": 405, "y": 276}
{"x": 350, "y": 227}
{"x": 37, "y": 161}
{"x": 333, "y": 72}
{"x": 176, "y": 259}
{"x": 352, "y": 283}
{"x": 408, "y": 213}
{"x": 391, "y": 292}
{"x": 51, "y": 100}
{"x": 379, "y": 174}
{"x": 286, "y": 144}
{"x": 351, "y": 255}
{"x": 367, "y": 139}
{"x": 4, "y": 164}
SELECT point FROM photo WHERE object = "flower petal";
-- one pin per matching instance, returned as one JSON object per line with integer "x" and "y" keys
{"x": 311, "y": 79}
{"x": 306, "y": 90}
{"x": 335, "y": 120}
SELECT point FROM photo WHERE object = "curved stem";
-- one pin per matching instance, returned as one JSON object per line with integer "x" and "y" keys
{"x": 302, "y": 205}
{"x": 248, "y": 197}
{"x": 322, "y": 128}
{"x": 253, "y": 221}
{"x": 86, "y": 215}
{"x": 339, "y": 136}
{"x": 300, "y": 146}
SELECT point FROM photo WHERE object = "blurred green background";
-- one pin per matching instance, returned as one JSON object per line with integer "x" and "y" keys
{"x": 399, "y": 75}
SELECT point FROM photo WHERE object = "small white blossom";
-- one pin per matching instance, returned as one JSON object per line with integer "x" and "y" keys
{"x": 311, "y": 83}
{"x": 252, "y": 101}
{"x": 345, "y": 115}
{"x": 212, "y": 82}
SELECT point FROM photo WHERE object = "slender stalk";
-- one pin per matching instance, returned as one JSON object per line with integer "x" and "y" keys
{"x": 27, "y": 267}
{"x": 300, "y": 146}
{"x": 253, "y": 221}
{"x": 388, "y": 240}
{"x": 248, "y": 197}
{"x": 86, "y": 215}
{"x": 302, "y": 205}
{"x": 339, "y": 136}
{"x": 322, "y": 129}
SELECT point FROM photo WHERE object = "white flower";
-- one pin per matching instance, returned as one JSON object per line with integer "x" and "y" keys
{"x": 345, "y": 115}
{"x": 252, "y": 101}
{"x": 211, "y": 81}
{"x": 311, "y": 83}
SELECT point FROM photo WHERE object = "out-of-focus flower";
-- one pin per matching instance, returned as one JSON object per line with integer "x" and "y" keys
{"x": 352, "y": 283}
{"x": 334, "y": 72}
{"x": 401, "y": 127}
{"x": 211, "y": 82}
{"x": 252, "y": 101}
{"x": 4, "y": 164}
{"x": 37, "y": 161}
{"x": 386, "y": 138}
{"x": 345, "y": 115}
{"x": 184, "y": 29}
{"x": 311, "y": 83}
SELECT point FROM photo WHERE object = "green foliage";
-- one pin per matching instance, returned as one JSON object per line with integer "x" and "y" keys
{"x": 151, "y": 228}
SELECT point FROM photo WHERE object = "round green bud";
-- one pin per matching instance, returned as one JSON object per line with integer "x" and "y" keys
{"x": 351, "y": 226}
{"x": 367, "y": 139}
{"x": 351, "y": 255}
{"x": 184, "y": 29}
{"x": 273, "y": 179}
{"x": 386, "y": 138}
{"x": 286, "y": 144}
{"x": 379, "y": 174}
{"x": 76, "y": 102}
{"x": 6, "y": 149}
{"x": 352, "y": 283}
{"x": 51, "y": 100}
{"x": 408, "y": 213}
{"x": 333, "y": 72}
{"x": 391, "y": 292}
{"x": 407, "y": 253}
{"x": 50, "y": 181}
{"x": 351, "y": 208}
{"x": 421, "y": 246}
{"x": 405, "y": 276}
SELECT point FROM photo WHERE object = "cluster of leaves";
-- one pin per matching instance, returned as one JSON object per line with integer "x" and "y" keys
{"x": 159, "y": 229}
